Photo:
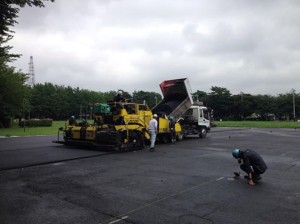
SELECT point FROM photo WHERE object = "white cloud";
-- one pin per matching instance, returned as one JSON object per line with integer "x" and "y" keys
{"x": 249, "y": 46}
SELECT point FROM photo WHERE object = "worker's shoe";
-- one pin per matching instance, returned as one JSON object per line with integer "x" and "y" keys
{"x": 256, "y": 178}
{"x": 151, "y": 149}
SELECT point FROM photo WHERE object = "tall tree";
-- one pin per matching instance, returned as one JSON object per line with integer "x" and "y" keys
{"x": 150, "y": 98}
{"x": 285, "y": 106}
{"x": 265, "y": 106}
{"x": 201, "y": 96}
{"x": 12, "y": 93}
{"x": 247, "y": 105}
{"x": 219, "y": 101}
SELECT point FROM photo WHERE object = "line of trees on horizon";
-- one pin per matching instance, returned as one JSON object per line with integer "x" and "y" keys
{"x": 18, "y": 100}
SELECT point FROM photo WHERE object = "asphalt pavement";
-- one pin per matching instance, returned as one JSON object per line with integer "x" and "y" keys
{"x": 187, "y": 182}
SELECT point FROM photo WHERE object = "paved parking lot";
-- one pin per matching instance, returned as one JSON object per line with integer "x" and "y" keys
{"x": 187, "y": 182}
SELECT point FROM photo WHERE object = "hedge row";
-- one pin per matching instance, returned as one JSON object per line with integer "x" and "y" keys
{"x": 36, "y": 123}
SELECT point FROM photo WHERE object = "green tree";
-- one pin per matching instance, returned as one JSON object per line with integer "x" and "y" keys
{"x": 201, "y": 96}
{"x": 247, "y": 105}
{"x": 219, "y": 100}
{"x": 265, "y": 106}
{"x": 60, "y": 102}
{"x": 150, "y": 98}
{"x": 241, "y": 106}
{"x": 42, "y": 98}
{"x": 235, "y": 107}
{"x": 284, "y": 106}
{"x": 12, "y": 93}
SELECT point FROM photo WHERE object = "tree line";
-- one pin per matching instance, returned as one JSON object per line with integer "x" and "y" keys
{"x": 245, "y": 106}
{"x": 60, "y": 102}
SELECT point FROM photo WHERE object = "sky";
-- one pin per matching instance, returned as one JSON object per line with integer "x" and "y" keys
{"x": 101, "y": 45}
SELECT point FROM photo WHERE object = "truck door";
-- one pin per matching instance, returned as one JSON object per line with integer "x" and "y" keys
{"x": 203, "y": 119}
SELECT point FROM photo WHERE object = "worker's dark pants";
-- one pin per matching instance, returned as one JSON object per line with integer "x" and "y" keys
{"x": 255, "y": 171}
{"x": 173, "y": 135}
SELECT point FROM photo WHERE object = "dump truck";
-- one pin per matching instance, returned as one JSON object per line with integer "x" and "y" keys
{"x": 178, "y": 102}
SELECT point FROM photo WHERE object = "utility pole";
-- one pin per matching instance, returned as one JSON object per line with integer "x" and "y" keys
{"x": 294, "y": 108}
{"x": 242, "y": 107}
{"x": 23, "y": 103}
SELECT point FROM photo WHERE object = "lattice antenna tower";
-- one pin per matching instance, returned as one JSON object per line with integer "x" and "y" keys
{"x": 31, "y": 79}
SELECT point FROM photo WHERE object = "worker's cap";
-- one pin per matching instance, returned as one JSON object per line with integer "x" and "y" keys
{"x": 236, "y": 153}
{"x": 120, "y": 92}
{"x": 171, "y": 118}
{"x": 154, "y": 115}
{"x": 72, "y": 117}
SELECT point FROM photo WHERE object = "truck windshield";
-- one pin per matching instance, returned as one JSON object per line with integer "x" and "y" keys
{"x": 206, "y": 114}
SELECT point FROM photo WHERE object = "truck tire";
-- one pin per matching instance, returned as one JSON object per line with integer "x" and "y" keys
{"x": 165, "y": 138}
{"x": 203, "y": 132}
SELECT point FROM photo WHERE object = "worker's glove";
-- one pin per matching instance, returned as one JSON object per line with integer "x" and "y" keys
{"x": 239, "y": 161}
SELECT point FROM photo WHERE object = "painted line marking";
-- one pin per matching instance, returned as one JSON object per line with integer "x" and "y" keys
{"x": 162, "y": 199}
{"x": 118, "y": 220}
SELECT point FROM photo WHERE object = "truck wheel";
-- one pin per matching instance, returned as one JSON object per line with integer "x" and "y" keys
{"x": 165, "y": 139}
{"x": 138, "y": 141}
{"x": 203, "y": 133}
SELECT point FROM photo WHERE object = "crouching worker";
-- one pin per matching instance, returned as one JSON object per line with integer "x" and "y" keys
{"x": 251, "y": 163}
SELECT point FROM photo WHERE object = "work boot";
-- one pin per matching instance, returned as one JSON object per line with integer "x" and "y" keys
{"x": 257, "y": 177}
{"x": 151, "y": 149}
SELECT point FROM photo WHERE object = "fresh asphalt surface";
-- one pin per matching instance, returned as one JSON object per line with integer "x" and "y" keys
{"x": 187, "y": 182}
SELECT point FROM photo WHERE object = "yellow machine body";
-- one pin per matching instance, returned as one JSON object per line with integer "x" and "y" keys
{"x": 121, "y": 125}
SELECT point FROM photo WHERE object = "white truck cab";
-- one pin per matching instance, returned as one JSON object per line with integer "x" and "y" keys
{"x": 196, "y": 121}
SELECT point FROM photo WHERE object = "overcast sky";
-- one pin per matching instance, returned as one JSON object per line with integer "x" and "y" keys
{"x": 242, "y": 45}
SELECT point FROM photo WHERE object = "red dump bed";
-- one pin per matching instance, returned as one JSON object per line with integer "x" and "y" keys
{"x": 177, "y": 98}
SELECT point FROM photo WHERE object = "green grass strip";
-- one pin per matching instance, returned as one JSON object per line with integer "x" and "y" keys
{"x": 259, "y": 124}
{"x": 31, "y": 131}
